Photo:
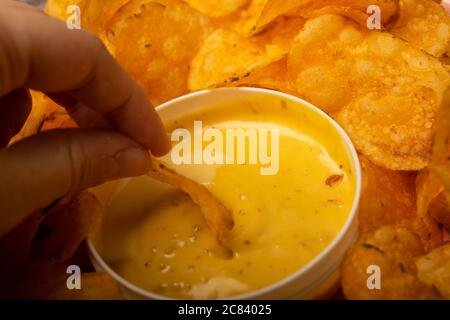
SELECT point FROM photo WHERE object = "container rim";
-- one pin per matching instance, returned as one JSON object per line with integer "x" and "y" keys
{"x": 302, "y": 270}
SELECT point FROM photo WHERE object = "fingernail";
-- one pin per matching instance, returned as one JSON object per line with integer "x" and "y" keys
{"x": 133, "y": 162}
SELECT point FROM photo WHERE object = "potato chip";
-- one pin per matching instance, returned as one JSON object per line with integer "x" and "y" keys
{"x": 440, "y": 158}
{"x": 245, "y": 21}
{"x": 212, "y": 9}
{"x": 425, "y": 25}
{"x": 281, "y": 33}
{"x": 387, "y": 197}
{"x": 95, "y": 16}
{"x": 356, "y": 15}
{"x": 434, "y": 269}
{"x": 430, "y": 198}
{"x": 59, "y": 8}
{"x": 389, "y": 251}
{"x": 94, "y": 286}
{"x": 428, "y": 187}
{"x": 440, "y": 212}
{"x": 155, "y": 42}
{"x": 35, "y": 118}
{"x": 271, "y": 77}
{"x": 218, "y": 217}
{"x": 226, "y": 57}
{"x": 275, "y": 8}
{"x": 57, "y": 120}
{"x": 386, "y": 93}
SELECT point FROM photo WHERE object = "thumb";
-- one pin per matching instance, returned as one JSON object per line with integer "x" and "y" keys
{"x": 50, "y": 165}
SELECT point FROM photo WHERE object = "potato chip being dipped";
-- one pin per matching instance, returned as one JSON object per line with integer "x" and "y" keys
{"x": 217, "y": 216}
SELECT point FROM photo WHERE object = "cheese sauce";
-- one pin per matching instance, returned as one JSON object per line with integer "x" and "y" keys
{"x": 156, "y": 238}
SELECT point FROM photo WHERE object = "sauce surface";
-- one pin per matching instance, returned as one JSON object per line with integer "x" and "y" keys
{"x": 156, "y": 238}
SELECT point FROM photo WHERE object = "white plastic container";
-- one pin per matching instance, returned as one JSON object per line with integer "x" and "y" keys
{"x": 320, "y": 277}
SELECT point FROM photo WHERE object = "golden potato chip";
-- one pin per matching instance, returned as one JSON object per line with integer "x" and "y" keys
{"x": 440, "y": 158}
{"x": 389, "y": 251}
{"x": 97, "y": 16}
{"x": 35, "y": 118}
{"x": 428, "y": 187}
{"x": 155, "y": 41}
{"x": 94, "y": 286}
{"x": 218, "y": 217}
{"x": 424, "y": 24}
{"x": 59, "y": 8}
{"x": 385, "y": 93}
{"x": 434, "y": 269}
{"x": 356, "y": 15}
{"x": 275, "y": 8}
{"x": 245, "y": 21}
{"x": 439, "y": 210}
{"x": 57, "y": 120}
{"x": 431, "y": 201}
{"x": 213, "y": 9}
{"x": 281, "y": 33}
{"x": 94, "y": 14}
{"x": 312, "y": 65}
{"x": 387, "y": 197}
{"x": 226, "y": 57}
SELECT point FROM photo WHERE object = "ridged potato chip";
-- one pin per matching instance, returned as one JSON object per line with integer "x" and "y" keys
{"x": 425, "y": 25}
{"x": 390, "y": 251}
{"x": 212, "y": 9}
{"x": 155, "y": 41}
{"x": 382, "y": 91}
{"x": 226, "y": 57}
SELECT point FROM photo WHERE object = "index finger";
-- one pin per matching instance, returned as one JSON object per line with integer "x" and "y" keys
{"x": 41, "y": 53}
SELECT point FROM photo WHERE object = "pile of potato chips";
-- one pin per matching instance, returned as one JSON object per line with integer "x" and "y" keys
{"x": 387, "y": 88}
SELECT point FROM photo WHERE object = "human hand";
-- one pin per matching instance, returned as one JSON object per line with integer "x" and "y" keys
{"x": 73, "y": 68}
